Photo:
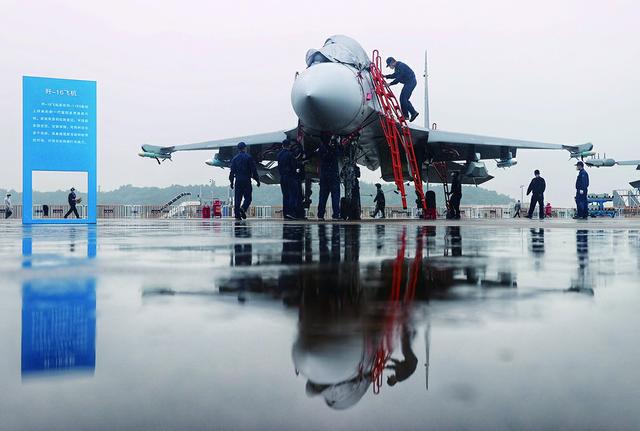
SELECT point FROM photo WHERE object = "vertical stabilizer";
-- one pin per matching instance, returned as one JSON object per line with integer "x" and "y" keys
{"x": 426, "y": 92}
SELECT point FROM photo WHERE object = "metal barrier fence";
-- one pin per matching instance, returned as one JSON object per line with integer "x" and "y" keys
{"x": 183, "y": 211}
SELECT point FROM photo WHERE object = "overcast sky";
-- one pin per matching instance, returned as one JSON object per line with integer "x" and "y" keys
{"x": 181, "y": 72}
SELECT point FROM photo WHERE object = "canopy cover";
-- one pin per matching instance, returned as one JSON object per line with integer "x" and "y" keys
{"x": 339, "y": 49}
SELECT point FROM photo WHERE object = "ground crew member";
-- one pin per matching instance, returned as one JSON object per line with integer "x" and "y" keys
{"x": 8, "y": 207}
{"x": 243, "y": 168}
{"x": 582, "y": 185}
{"x": 287, "y": 168}
{"x": 404, "y": 75}
{"x": 537, "y": 187}
{"x": 517, "y": 208}
{"x": 456, "y": 195}
{"x": 380, "y": 201}
{"x": 73, "y": 200}
{"x": 329, "y": 179}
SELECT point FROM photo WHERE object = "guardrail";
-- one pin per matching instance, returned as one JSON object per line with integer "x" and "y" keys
{"x": 275, "y": 212}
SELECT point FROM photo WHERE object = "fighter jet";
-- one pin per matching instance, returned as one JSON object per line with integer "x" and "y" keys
{"x": 335, "y": 98}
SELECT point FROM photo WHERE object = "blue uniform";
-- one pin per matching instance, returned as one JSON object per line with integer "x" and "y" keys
{"x": 71, "y": 199}
{"x": 329, "y": 180}
{"x": 404, "y": 75}
{"x": 537, "y": 188}
{"x": 243, "y": 168}
{"x": 289, "y": 184}
{"x": 582, "y": 184}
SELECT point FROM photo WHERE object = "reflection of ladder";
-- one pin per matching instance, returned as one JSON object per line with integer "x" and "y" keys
{"x": 391, "y": 118}
{"x": 396, "y": 304}
{"x": 172, "y": 201}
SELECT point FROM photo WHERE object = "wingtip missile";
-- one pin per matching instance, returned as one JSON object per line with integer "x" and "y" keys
{"x": 159, "y": 157}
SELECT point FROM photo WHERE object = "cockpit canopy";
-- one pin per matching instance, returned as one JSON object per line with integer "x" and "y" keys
{"x": 339, "y": 49}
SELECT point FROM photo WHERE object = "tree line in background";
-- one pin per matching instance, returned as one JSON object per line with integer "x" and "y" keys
{"x": 265, "y": 195}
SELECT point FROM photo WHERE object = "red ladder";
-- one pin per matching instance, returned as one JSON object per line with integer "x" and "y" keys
{"x": 391, "y": 118}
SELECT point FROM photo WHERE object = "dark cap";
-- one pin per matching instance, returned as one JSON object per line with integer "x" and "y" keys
{"x": 536, "y": 172}
{"x": 242, "y": 145}
{"x": 390, "y": 60}
{"x": 286, "y": 142}
{"x": 378, "y": 185}
{"x": 73, "y": 189}
{"x": 580, "y": 163}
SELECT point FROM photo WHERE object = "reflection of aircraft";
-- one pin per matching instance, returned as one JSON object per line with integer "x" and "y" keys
{"x": 335, "y": 98}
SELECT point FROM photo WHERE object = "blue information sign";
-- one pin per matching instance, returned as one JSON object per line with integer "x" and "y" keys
{"x": 59, "y": 134}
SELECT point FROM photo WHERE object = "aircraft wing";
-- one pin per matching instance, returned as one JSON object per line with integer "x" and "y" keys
{"x": 492, "y": 147}
{"x": 630, "y": 163}
{"x": 154, "y": 151}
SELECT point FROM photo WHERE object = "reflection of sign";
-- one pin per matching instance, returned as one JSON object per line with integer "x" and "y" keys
{"x": 59, "y": 134}
{"x": 58, "y": 326}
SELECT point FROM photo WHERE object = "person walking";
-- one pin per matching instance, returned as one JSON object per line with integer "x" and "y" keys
{"x": 404, "y": 75}
{"x": 72, "y": 199}
{"x": 456, "y": 195}
{"x": 379, "y": 201}
{"x": 536, "y": 189}
{"x": 243, "y": 168}
{"x": 582, "y": 186}
{"x": 517, "y": 208}
{"x": 8, "y": 207}
{"x": 329, "y": 179}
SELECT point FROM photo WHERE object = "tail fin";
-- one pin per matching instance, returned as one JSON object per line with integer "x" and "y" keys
{"x": 426, "y": 93}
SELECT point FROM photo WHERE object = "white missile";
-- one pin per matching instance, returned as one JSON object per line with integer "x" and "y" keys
{"x": 600, "y": 163}
{"x": 507, "y": 163}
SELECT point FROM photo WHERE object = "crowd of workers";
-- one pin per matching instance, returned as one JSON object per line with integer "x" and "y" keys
{"x": 291, "y": 171}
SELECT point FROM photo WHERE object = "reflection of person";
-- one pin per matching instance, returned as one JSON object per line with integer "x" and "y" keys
{"x": 582, "y": 283}
{"x": 73, "y": 200}
{"x": 455, "y": 239}
{"x": 242, "y": 251}
{"x": 536, "y": 189}
{"x": 379, "y": 201}
{"x": 537, "y": 240}
{"x": 405, "y": 368}
{"x": 582, "y": 185}
{"x": 8, "y": 207}
{"x": 243, "y": 168}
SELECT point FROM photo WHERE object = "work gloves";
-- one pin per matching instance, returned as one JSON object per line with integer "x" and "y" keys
{"x": 258, "y": 183}
{"x": 231, "y": 186}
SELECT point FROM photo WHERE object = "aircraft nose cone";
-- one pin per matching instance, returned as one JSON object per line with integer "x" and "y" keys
{"x": 327, "y": 97}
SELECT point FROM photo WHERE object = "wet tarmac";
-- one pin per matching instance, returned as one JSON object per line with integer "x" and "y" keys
{"x": 265, "y": 325}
